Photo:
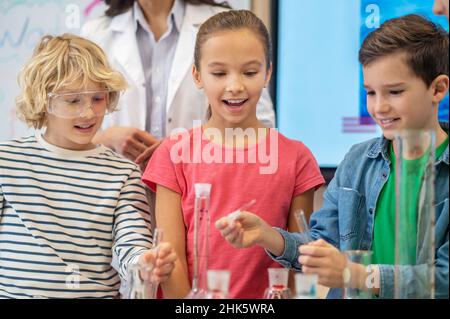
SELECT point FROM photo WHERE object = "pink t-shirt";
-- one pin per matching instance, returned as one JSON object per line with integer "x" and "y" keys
{"x": 272, "y": 172}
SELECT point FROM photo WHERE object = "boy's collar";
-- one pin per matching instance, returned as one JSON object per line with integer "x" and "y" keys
{"x": 444, "y": 157}
{"x": 381, "y": 146}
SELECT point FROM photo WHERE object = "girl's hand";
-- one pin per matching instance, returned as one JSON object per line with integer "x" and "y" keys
{"x": 245, "y": 231}
{"x": 163, "y": 259}
{"x": 324, "y": 260}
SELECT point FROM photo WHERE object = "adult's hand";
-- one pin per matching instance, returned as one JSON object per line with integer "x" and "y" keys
{"x": 128, "y": 141}
{"x": 142, "y": 160}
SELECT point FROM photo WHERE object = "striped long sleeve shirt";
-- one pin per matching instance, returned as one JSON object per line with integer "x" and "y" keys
{"x": 70, "y": 221}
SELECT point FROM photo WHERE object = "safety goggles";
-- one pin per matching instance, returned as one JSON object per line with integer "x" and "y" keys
{"x": 80, "y": 104}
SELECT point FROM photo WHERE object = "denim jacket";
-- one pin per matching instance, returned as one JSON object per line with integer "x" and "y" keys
{"x": 346, "y": 219}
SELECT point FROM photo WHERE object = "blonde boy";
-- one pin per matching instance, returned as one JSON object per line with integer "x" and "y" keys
{"x": 73, "y": 215}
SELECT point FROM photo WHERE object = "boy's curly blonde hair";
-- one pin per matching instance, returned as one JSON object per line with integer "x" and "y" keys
{"x": 61, "y": 62}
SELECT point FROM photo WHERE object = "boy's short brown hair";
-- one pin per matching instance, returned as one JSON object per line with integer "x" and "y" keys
{"x": 425, "y": 45}
{"x": 58, "y": 62}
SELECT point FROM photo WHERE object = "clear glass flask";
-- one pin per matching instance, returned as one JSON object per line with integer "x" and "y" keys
{"x": 278, "y": 284}
{"x": 218, "y": 284}
{"x": 140, "y": 285}
{"x": 415, "y": 214}
{"x": 201, "y": 241}
{"x": 306, "y": 286}
{"x": 356, "y": 287}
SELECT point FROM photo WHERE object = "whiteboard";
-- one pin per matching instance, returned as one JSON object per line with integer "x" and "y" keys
{"x": 22, "y": 24}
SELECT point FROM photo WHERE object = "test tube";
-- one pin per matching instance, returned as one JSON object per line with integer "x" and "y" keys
{"x": 232, "y": 216}
{"x": 303, "y": 227}
{"x": 157, "y": 238}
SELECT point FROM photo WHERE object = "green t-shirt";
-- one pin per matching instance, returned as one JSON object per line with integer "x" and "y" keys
{"x": 383, "y": 245}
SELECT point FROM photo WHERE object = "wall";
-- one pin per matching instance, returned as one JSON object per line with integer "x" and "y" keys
{"x": 22, "y": 24}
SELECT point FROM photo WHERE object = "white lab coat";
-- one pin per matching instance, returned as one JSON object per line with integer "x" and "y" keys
{"x": 185, "y": 103}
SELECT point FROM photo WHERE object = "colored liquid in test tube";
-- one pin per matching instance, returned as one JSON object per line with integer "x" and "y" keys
{"x": 201, "y": 241}
{"x": 303, "y": 227}
{"x": 278, "y": 284}
{"x": 218, "y": 282}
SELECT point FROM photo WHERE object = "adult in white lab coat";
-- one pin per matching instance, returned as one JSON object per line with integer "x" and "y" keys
{"x": 127, "y": 131}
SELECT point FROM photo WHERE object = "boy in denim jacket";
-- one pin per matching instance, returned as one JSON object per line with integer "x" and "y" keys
{"x": 405, "y": 67}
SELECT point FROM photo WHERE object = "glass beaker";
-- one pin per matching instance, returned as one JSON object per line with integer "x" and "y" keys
{"x": 415, "y": 214}
{"x": 356, "y": 283}
{"x": 140, "y": 286}
{"x": 201, "y": 241}
{"x": 278, "y": 284}
{"x": 306, "y": 286}
{"x": 139, "y": 275}
{"x": 218, "y": 284}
